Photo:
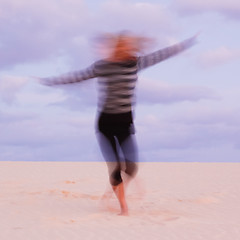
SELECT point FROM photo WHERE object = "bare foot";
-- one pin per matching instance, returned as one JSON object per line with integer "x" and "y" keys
{"x": 124, "y": 212}
{"x": 119, "y": 191}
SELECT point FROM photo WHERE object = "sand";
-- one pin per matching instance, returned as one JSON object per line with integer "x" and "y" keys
{"x": 56, "y": 200}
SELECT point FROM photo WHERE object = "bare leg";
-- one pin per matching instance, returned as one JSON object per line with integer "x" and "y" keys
{"x": 120, "y": 193}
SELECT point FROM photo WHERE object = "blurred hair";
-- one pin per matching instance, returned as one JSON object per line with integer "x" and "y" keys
{"x": 122, "y": 44}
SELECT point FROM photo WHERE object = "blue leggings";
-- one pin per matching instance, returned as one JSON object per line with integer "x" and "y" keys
{"x": 118, "y": 146}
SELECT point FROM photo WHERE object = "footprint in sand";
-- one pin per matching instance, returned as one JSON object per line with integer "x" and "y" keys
{"x": 69, "y": 182}
{"x": 68, "y": 194}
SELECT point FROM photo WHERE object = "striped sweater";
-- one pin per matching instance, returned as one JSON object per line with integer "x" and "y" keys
{"x": 117, "y": 80}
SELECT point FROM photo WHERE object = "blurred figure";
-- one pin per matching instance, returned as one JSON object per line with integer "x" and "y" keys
{"x": 117, "y": 77}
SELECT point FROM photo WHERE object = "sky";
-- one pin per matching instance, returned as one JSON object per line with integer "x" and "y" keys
{"x": 188, "y": 107}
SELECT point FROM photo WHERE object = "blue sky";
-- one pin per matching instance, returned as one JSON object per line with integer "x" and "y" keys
{"x": 188, "y": 107}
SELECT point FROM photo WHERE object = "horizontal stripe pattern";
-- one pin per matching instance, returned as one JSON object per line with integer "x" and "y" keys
{"x": 117, "y": 80}
{"x": 163, "y": 54}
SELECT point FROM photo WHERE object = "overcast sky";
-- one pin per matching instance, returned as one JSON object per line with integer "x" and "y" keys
{"x": 188, "y": 107}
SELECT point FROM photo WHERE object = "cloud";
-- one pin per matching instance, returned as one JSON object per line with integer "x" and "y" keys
{"x": 31, "y": 31}
{"x": 219, "y": 56}
{"x": 53, "y": 136}
{"x": 78, "y": 97}
{"x": 230, "y": 9}
{"x": 141, "y": 16}
{"x": 191, "y": 128}
{"x": 35, "y": 30}
{"x": 56, "y": 124}
{"x": 10, "y": 86}
{"x": 155, "y": 92}
{"x": 7, "y": 117}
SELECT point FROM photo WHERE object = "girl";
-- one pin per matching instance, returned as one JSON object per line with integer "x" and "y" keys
{"x": 117, "y": 77}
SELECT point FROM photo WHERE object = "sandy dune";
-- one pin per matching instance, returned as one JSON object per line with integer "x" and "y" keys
{"x": 55, "y": 200}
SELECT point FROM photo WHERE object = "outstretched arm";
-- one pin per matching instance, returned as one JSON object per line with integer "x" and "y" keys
{"x": 72, "y": 77}
{"x": 163, "y": 54}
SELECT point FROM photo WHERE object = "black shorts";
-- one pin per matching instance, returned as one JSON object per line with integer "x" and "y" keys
{"x": 115, "y": 133}
{"x": 114, "y": 124}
